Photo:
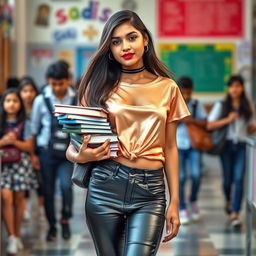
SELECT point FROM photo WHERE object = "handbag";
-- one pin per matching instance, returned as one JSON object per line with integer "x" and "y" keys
{"x": 200, "y": 138}
{"x": 12, "y": 154}
{"x": 81, "y": 174}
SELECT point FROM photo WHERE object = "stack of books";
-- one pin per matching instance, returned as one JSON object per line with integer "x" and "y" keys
{"x": 79, "y": 121}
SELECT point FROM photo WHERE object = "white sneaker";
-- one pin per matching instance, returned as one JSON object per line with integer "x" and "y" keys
{"x": 12, "y": 247}
{"x": 26, "y": 215}
{"x": 184, "y": 217}
{"x": 19, "y": 244}
{"x": 195, "y": 215}
{"x": 236, "y": 223}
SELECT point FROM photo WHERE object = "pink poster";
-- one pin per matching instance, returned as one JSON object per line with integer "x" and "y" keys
{"x": 200, "y": 18}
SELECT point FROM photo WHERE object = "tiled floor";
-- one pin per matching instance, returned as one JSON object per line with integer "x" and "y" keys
{"x": 211, "y": 236}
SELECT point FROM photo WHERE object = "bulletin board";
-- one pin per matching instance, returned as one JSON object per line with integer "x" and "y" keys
{"x": 83, "y": 55}
{"x": 209, "y": 65}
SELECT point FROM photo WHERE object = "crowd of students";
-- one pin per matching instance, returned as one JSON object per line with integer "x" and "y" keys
{"x": 236, "y": 113}
{"x": 27, "y": 124}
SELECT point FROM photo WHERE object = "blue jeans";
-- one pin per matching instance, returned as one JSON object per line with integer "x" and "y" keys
{"x": 51, "y": 169}
{"x": 193, "y": 158}
{"x": 233, "y": 160}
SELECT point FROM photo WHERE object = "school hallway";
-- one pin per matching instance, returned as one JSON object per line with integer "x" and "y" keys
{"x": 211, "y": 236}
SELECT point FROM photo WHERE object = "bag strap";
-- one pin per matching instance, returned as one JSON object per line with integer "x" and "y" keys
{"x": 49, "y": 105}
{"x": 20, "y": 129}
{"x": 194, "y": 108}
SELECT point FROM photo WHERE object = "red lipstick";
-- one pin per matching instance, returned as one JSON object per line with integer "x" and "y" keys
{"x": 128, "y": 56}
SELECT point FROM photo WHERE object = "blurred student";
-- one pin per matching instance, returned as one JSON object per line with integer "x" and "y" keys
{"x": 28, "y": 92}
{"x": 236, "y": 113}
{"x": 12, "y": 82}
{"x": 52, "y": 144}
{"x": 65, "y": 65}
{"x": 17, "y": 172}
{"x": 187, "y": 155}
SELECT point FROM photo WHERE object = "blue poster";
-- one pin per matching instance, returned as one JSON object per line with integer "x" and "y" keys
{"x": 83, "y": 56}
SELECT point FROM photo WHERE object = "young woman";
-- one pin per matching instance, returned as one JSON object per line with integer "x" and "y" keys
{"x": 28, "y": 92}
{"x": 18, "y": 176}
{"x": 237, "y": 114}
{"x": 125, "y": 205}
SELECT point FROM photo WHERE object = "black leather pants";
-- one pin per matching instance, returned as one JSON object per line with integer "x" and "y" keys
{"x": 125, "y": 209}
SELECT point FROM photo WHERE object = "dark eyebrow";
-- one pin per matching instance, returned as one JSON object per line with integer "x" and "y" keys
{"x": 116, "y": 37}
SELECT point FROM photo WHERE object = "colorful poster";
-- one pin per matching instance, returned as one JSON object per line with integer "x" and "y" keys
{"x": 41, "y": 58}
{"x": 83, "y": 56}
{"x": 209, "y": 65}
{"x": 200, "y": 18}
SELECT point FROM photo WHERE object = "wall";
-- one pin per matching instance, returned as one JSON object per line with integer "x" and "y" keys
{"x": 42, "y": 37}
{"x": 65, "y": 37}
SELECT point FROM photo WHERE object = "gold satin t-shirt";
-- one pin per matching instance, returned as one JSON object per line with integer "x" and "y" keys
{"x": 139, "y": 113}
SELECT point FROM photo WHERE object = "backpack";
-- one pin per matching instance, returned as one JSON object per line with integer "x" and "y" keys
{"x": 59, "y": 141}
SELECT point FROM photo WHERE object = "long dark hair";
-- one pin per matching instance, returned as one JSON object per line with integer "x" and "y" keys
{"x": 103, "y": 74}
{"x": 21, "y": 115}
{"x": 245, "y": 109}
{"x": 26, "y": 82}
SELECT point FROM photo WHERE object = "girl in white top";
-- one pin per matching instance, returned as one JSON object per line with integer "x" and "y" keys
{"x": 236, "y": 113}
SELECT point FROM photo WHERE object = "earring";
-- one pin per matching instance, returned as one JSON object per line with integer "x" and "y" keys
{"x": 146, "y": 48}
{"x": 110, "y": 57}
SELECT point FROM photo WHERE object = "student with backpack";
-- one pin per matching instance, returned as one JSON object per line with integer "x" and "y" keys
{"x": 236, "y": 114}
{"x": 17, "y": 173}
{"x": 187, "y": 154}
{"x": 51, "y": 147}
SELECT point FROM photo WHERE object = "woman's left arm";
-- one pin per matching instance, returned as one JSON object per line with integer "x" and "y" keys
{"x": 172, "y": 175}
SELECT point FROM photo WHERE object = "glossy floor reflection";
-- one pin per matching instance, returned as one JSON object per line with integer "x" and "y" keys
{"x": 211, "y": 236}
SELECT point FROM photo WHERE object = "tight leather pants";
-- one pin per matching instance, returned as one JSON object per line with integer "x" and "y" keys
{"x": 125, "y": 209}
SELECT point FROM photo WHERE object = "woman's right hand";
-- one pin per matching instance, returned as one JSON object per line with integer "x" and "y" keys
{"x": 232, "y": 116}
{"x": 87, "y": 154}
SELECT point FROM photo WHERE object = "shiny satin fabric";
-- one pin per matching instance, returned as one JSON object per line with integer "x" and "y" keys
{"x": 125, "y": 209}
{"x": 139, "y": 113}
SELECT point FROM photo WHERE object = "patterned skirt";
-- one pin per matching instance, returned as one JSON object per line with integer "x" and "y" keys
{"x": 19, "y": 176}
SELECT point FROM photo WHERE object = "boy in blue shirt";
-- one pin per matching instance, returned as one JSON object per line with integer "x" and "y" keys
{"x": 51, "y": 146}
{"x": 188, "y": 155}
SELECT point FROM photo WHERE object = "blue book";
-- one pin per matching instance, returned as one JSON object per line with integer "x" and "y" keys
{"x": 84, "y": 122}
{"x": 78, "y": 117}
